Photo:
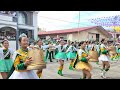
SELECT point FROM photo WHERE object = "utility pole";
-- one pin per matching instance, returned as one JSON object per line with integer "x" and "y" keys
{"x": 17, "y": 30}
{"x": 78, "y": 25}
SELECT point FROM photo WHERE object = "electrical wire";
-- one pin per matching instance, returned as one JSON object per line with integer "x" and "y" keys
{"x": 69, "y": 21}
{"x": 58, "y": 19}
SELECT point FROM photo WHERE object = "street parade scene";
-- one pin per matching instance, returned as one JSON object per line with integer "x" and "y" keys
{"x": 44, "y": 45}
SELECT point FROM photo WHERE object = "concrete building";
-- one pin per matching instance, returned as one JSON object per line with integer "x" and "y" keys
{"x": 27, "y": 23}
{"x": 78, "y": 34}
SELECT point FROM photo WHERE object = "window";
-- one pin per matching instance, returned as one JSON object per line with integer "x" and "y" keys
{"x": 97, "y": 37}
{"x": 7, "y": 32}
{"x": 29, "y": 34}
{"x": 22, "y": 18}
{"x": 23, "y": 31}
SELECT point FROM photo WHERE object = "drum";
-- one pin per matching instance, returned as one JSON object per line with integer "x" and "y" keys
{"x": 38, "y": 60}
{"x": 94, "y": 55}
{"x": 112, "y": 50}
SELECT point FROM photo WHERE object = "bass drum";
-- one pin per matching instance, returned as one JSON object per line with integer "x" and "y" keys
{"x": 112, "y": 50}
{"x": 38, "y": 60}
{"x": 94, "y": 56}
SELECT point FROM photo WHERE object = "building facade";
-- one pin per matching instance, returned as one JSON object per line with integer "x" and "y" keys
{"x": 95, "y": 33}
{"x": 23, "y": 21}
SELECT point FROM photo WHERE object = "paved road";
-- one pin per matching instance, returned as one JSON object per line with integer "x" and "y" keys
{"x": 51, "y": 71}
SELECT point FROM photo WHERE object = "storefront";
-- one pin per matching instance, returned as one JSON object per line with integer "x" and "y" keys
{"x": 21, "y": 21}
{"x": 7, "y": 32}
{"x": 10, "y": 34}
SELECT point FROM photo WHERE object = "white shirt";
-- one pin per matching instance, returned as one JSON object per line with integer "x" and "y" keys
{"x": 98, "y": 47}
{"x": 59, "y": 48}
{"x": 89, "y": 47}
{"x": 2, "y": 55}
{"x": 80, "y": 51}
{"x": 66, "y": 45}
{"x": 44, "y": 47}
{"x": 102, "y": 46}
{"x": 70, "y": 49}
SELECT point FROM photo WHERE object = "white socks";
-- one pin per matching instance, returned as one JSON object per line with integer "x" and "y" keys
{"x": 103, "y": 74}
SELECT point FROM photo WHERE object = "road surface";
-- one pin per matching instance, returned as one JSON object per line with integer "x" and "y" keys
{"x": 51, "y": 71}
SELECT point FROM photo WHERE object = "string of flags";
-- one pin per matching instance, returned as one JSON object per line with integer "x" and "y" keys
{"x": 107, "y": 21}
{"x": 111, "y": 21}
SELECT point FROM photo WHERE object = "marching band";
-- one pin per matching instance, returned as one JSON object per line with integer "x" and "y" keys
{"x": 29, "y": 61}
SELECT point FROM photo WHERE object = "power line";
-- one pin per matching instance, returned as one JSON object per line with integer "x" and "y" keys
{"x": 64, "y": 20}
{"x": 75, "y": 23}
{"x": 79, "y": 23}
{"x": 58, "y": 19}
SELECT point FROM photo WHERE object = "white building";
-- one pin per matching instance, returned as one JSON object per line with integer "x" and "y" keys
{"x": 27, "y": 23}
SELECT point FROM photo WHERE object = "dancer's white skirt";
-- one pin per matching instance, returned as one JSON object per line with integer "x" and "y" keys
{"x": 103, "y": 58}
{"x": 24, "y": 75}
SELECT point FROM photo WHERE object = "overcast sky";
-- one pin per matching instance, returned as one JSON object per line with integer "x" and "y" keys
{"x": 57, "y": 20}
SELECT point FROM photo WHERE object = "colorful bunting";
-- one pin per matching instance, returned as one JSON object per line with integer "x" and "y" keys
{"x": 107, "y": 21}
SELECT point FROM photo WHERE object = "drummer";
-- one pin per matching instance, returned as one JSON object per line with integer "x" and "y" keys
{"x": 42, "y": 47}
{"x": 96, "y": 47}
{"x": 113, "y": 51}
{"x": 21, "y": 61}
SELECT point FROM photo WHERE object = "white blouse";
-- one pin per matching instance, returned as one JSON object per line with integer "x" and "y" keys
{"x": 102, "y": 46}
{"x": 59, "y": 48}
{"x": 2, "y": 55}
{"x": 71, "y": 49}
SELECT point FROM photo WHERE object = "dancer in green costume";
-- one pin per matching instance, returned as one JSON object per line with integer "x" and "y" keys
{"x": 61, "y": 56}
{"x": 71, "y": 54}
{"x": 5, "y": 59}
